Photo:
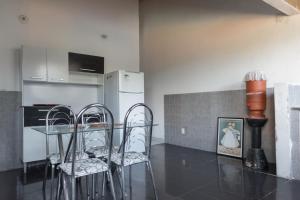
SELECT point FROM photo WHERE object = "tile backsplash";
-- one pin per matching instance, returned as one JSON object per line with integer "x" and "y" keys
{"x": 10, "y": 130}
{"x": 198, "y": 113}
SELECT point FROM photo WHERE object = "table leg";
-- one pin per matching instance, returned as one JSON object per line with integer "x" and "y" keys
{"x": 61, "y": 146}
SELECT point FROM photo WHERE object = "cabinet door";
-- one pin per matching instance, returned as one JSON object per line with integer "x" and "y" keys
{"x": 57, "y": 65}
{"x": 34, "y": 64}
{"x": 34, "y": 145}
{"x": 86, "y": 63}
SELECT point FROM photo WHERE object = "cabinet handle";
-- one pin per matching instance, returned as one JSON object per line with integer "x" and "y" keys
{"x": 53, "y": 119}
{"x": 36, "y": 77}
{"x": 57, "y": 79}
{"x": 47, "y": 110}
{"x": 88, "y": 70}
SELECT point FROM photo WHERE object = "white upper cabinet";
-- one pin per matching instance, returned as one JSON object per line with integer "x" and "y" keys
{"x": 57, "y": 64}
{"x": 34, "y": 67}
{"x": 52, "y": 65}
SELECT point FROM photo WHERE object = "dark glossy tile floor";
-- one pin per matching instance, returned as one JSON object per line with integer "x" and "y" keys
{"x": 181, "y": 174}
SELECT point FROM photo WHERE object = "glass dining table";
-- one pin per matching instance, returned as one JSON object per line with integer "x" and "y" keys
{"x": 60, "y": 130}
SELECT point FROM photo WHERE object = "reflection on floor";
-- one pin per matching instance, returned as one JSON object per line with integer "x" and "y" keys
{"x": 181, "y": 174}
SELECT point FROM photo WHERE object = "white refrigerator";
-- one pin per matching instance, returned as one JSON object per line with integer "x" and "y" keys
{"x": 122, "y": 89}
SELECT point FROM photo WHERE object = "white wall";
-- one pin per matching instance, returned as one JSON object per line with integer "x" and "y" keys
{"x": 76, "y": 25}
{"x": 199, "y": 45}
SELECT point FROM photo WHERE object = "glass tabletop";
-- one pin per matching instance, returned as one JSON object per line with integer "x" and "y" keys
{"x": 68, "y": 129}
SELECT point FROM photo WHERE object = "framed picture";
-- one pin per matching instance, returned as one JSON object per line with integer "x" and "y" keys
{"x": 230, "y": 137}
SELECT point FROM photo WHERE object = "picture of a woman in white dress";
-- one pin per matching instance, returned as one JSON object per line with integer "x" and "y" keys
{"x": 231, "y": 138}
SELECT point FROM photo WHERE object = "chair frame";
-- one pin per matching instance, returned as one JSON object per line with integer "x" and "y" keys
{"x": 73, "y": 144}
{"x": 126, "y": 135}
{"x": 50, "y": 122}
{"x": 85, "y": 120}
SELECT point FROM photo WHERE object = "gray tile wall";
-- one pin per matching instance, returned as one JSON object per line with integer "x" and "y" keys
{"x": 198, "y": 113}
{"x": 10, "y": 132}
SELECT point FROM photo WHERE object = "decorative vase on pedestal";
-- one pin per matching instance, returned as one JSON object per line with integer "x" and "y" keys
{"x": 256, "y": 98}
{"x": 256, "y": 104}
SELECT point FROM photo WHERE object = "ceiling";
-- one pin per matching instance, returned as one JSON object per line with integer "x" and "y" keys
{"x": 288, "y": 7}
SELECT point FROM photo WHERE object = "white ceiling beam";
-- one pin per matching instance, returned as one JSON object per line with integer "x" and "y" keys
{"x": 288, "y": 7}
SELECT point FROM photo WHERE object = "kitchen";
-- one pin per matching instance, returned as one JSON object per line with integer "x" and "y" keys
{"x": 54, "y": 77}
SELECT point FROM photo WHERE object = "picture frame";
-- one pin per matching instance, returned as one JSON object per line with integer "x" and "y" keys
{"x": 230, "y": 140}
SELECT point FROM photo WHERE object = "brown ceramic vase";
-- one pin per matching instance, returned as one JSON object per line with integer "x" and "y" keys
{"x": 256, "y": 98}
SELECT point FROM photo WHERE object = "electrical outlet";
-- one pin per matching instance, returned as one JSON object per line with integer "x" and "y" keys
{"x": 183, "y": 131}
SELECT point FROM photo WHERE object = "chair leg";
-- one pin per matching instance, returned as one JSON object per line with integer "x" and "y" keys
{"x": 52, "y": 181}
{"x": 103, "y": 185}
{"x": 96, "y": 186}
{"x": 87, "y": 188}
{"x": 45, "y": 179}
{"x": 58, "y": 189}
{"x": 93, "y": 186}
{"x": 130, "y": 182}
{"x": 65, "y": 188}
{"x": 152, "y": 178}
{"x": 112, "y": 186}
{"x": 123, "y": 183}
{"x": 79, "y": 187}
{"x": 73, "y": 185}
{"x": 118, "y": 173}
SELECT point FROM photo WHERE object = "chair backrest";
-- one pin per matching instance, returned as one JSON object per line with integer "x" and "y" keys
{"x": 108, "y": 127}
{"x": 93, "y": 139}
{"x": 137, "y": 129}
{"x": 57, "y": 117}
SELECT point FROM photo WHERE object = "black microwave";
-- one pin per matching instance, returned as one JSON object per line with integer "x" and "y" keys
{"x": 86, "y": 63}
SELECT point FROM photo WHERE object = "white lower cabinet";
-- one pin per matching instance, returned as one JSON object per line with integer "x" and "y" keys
{"x": 34, "y": 145}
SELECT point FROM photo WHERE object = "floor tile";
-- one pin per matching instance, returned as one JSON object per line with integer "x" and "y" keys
{"x": 288, "y": 191}
{"x": 180, "y": 174}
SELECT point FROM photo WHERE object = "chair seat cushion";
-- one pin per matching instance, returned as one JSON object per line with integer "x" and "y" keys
{"x": 100, "y": 151}
{"x": 55, "y": 158}
{"x": 85, "y": 167}
{"x": 130, "y": 158}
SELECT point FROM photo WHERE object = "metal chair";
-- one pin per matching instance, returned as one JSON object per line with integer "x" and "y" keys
{"x": 137, "y": 131}
{"x": 73, "y": 168}
{"x": 58, "y": 116}
{"x": 95, "y": 143}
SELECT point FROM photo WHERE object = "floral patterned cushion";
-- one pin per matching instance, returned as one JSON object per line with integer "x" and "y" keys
{"x": 130, "y": 158}
{"x": 100, "y": 151}
{"x": 85, "y": 167}
{"x": 55, "y": 157}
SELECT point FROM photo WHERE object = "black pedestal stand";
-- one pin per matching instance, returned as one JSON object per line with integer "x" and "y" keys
{"x": 256, "y": 158}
